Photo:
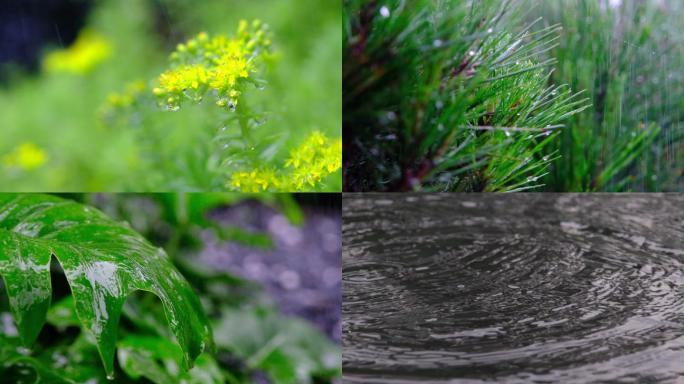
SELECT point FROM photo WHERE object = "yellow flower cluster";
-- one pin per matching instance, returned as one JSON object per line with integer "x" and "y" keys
{"x": 120, "y": 101}
{"x": 215, "y": 64}
{"x": 128, "y": 96}
{"x": 27, "y": 156}
{"x": 308, "y": 164}
{"x": 255, "y": 181}
{"x": 89, "y": 50}
{"x": 316, "y": 158}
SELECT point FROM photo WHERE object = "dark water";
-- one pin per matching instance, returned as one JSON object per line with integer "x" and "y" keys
{"x": 513, "y": 288}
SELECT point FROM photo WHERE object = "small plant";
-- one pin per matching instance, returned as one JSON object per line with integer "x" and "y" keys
{"x": 237, "y": 155}
{"x": 133, "y": 97}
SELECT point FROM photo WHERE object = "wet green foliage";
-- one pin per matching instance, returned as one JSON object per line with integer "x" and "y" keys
{"x": 628, "y": 56}
{"x": 107, "y": 312}
{"x": 419, "y": 75}
{"x": 448, "y": 96}
{"x": 104, "y": 261}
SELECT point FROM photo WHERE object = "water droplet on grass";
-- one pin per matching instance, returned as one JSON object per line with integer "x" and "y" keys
{"x": 384, "y": 11}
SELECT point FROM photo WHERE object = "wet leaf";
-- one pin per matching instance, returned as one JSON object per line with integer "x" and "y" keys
{"x": 289, "y": 350}
{"x": 104, "y": 261}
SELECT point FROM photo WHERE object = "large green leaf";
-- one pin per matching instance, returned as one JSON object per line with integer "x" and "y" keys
{"x": 104, "y": 261}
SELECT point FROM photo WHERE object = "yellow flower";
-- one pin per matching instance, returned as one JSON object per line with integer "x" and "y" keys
{"x": 255, "y": 181}
{"x": 128, "y": 96}
{"x": 89, "y": 50}
{"x": 213, "y": 64}
{"x": 27, "y": 157}
{"x": 225, "y": 75}
{"x": 180, "y": 79}
{"x": 316, "y": 158}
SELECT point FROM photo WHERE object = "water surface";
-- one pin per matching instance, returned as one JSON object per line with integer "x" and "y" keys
{"x": 513, "y": 288}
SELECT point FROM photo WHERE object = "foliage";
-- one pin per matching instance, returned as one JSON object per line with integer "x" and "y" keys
{"x": 448, "y": 96}
{"x": 627, "y": 55}
{"x": 252, "y": 336}
{"x": 101, "y": 128}
{"x": 286, "y": 348}
{"x": 103, "y": 261}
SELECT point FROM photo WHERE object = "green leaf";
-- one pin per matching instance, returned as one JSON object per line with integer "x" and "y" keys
{"x": 63, "y": 314}
{"x": 104, "y": 261}
{"x": 157, "y": 359}
{"x": 16, "y": 367}
{"x": 289, "y": 350}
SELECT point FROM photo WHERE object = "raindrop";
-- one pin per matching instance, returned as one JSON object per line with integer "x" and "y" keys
{"x": 507, "y": 132}
{"x": 437, "y": 43}
{"x": 471, "y": 53}
{"x": 384, "y": 11}
{"x": 490, "y": 30}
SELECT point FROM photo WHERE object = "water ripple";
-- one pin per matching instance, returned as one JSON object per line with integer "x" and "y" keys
{"x": 515, "y": 288}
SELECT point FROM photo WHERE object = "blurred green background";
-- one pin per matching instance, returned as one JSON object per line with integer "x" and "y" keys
{"x": 52, "y": 122}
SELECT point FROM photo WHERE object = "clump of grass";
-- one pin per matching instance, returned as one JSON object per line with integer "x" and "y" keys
{"x": 628, "y": 55}
{"x": 448, "y": 96}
